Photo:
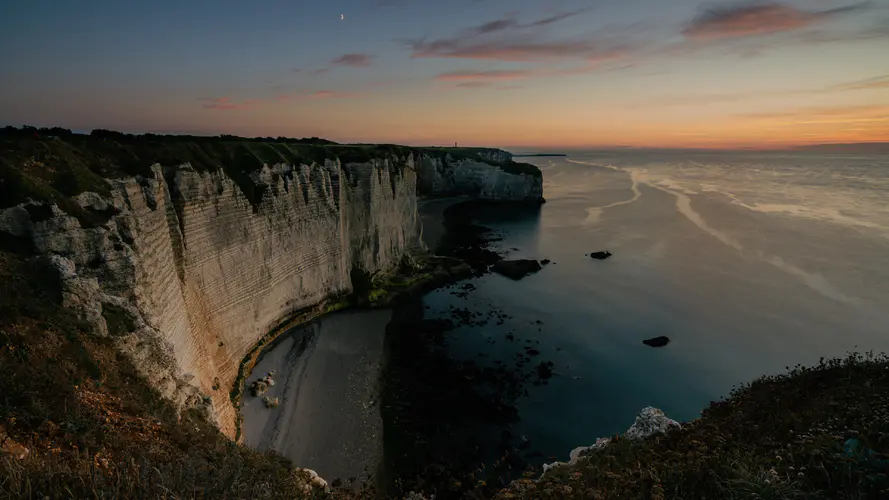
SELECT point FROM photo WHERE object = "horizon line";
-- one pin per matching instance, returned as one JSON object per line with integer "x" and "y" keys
{"x": 529, "y": 148}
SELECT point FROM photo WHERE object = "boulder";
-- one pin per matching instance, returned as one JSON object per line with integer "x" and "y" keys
{"x": 600, "y": 255}
{"x": 649, "y": 422}
{"x": 657, "y": 341}
{"x": 312, "y": 483}
{"x": 516, "y": 269}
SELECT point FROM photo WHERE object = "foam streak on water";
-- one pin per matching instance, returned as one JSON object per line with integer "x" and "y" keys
{"x": 594, "y": 213}
{"x": 684, "y": 206}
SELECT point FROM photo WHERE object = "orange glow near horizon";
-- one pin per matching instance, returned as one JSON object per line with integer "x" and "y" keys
{"x": 678, "y": 74}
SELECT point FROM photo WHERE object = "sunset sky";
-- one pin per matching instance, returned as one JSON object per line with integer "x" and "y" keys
{"x": 506, "y": 73}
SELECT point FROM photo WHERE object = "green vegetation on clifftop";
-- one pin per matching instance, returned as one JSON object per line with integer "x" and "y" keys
{"x": 55, "y": 164}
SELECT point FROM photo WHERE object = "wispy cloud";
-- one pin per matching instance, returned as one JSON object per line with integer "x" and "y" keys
{"x": 476, "y": 78}
{"x": 506, "y": 39}
{"x": 472, "y": 84}
{"x": 495, "y": 26}
{"x": 509, "y": 49}
{"x": 319, "y": 95}
{"x": 556, "y": 18}
{"x": 752, "y": 19}
{"x": 493, "y": 75}
{"x": 332, "y": 94}
{"x": 226, "y": 103}
{"x": 354, "y": 60}
{"x": 878, "y": 82}
{"x": 831, "y": 114}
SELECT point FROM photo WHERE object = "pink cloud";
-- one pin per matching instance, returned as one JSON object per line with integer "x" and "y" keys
{"x": 321, "y": 94}
{"x": 503, "y": 51}
{"x": 470, "y": 79}
{"x": 472, "y": 85}
{"x": 879, "y": 82}
{"x": 226, "y": 103}
{"x": 493, "y": 75}
{"x": 762, "y": 18}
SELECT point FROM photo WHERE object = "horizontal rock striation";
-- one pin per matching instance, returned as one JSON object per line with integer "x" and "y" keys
{"x": 447, "y": 176}
{"x": 188, "y": 268}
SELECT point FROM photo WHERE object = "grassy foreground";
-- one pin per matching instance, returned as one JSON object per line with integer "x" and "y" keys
{"x": 813, "y": 433}
{"x": 92, "y": 427}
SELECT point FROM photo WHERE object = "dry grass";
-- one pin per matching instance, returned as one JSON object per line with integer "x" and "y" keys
{"x": 777, "y": 438}
{"x": 94, "y": 429}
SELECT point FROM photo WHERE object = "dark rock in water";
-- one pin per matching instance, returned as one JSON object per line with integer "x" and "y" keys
{"x": 545, "y": 262}
{"x": 545, "y": 370}
{"x": 600, "y": 255}
{"x": 516, "y": 269}
{"x": 657, "y": 341}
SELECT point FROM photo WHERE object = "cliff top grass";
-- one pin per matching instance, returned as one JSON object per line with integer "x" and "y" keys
{"x": 52, "y": 164}
{"x": 812, "y": 433}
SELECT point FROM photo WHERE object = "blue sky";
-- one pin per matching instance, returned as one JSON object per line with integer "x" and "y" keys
{"x": 521, "y": 72}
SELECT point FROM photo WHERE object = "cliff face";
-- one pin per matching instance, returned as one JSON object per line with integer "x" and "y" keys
{"x": 450, "y": 176}
{"x": 187, "y": 273}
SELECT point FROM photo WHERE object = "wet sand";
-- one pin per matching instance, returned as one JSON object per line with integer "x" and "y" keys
{"x": 327, "y": 378}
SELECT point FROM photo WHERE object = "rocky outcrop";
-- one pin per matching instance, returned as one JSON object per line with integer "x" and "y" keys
{"x": 494, "y": 155}
{"x": 649, "y": 422}
{"x": 188, "y": 269}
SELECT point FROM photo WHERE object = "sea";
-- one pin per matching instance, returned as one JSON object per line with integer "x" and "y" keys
{"x": 750, "y": 262}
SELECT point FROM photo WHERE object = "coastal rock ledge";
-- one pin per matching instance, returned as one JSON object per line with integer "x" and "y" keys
{"x": 649, "y": 422}
{"x": 186, "y": 251}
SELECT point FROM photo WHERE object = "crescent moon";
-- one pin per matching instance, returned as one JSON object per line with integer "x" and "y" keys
{"x": 342, "y": 16}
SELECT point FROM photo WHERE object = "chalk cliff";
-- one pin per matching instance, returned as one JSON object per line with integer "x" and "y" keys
{"x": 465, "y": 176}
{"x": 187, "y": 268}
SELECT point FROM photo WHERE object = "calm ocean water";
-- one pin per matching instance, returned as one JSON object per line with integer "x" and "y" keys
{"x": 749, "y": 262}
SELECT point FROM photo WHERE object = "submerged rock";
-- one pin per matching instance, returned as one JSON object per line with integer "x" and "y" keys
{"x": 600, "y": 255}
{"x": 516, "y": 269}
{"x": 657, "y": 341}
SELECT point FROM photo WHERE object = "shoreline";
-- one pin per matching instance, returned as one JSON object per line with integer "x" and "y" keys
{"x": 245, "y": 368}
{"x": 326, "y": 375}
{"x": 267, "y": 427}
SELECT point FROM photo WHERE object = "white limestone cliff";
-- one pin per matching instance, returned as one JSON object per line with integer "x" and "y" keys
{"x": 186, "y": 274}
{"x": 449, "y": 176}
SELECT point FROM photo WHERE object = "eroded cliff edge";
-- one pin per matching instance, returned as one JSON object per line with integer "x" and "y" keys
{"x": 189, "y": 252}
